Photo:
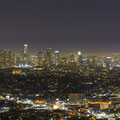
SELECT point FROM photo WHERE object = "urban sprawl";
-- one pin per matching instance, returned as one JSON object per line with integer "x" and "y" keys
{"x": 53, "y": 86}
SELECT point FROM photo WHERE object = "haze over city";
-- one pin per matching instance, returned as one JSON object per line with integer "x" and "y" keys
{"x": 88, "y": 25}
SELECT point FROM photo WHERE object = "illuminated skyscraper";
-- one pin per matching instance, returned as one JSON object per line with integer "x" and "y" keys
{"x": 25, "y": 55}
{"x": 24, "y": 59}
{"x": 57, "y": 57}
{"x": 108, "y": 61}
{"x": 39, "y": 58}
{"x": 25, "y": 49}
{"x": 79, "y": 57}
{"x": 47, "y": 56}
{"x": 7, "y": 58}
{"x": 33, "y": 60}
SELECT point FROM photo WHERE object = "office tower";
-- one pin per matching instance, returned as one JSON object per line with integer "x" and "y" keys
{"x": 25, "y": 56}
{"x": 108, "y": 61}
{"x": 1, "y": 58}
{"x": 25, "y": 49}
{"x": 12, "y": 58}
{"x": 19, "y": 60}
{"x": 33, "y": 60}
{"x": 57, "y": 57}
{"x": 45, "y": 59}
{"x": 39, "y": 58}
{"x": 47, "y": 56}
{"x": 7, "y": 58}
{"x": 79, "y": 57}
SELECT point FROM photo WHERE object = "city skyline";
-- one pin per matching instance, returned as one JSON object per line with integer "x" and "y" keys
{"x": 53, "y": 50}
{"x": 59, "y": 60}
{"x": 62, "y": 52}
{"x": 62, "y": 25}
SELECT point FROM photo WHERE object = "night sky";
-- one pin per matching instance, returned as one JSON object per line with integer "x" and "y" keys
{"x": 64, "y": 25}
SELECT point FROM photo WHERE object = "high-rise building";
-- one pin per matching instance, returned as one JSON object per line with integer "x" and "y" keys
{"x": 7, "y": 58}
{"x": 108, "y": 61}
{"x": 79, "y": 57}
{"x": 57, "y": 57}
{"x": 25, "y": 49}
{"x": 24, "y": 58}
{"x": 33, "y": 60}
{"x": 39, "y": 58}
{"x": 48, "y": 56}
{"x": 25, "y": 55}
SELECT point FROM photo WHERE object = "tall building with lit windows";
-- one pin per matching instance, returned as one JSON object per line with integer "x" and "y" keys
{"x": 48, "y": 56}
{"x": 39, "y": 58}
{"x": 7, "y": 58}
{"x": 24, "y": 58}
{"x": 25, "y": 54}
{"x": 108, "y": 61}
{"x": 79, "y": 57}
{"x": 57, "y": 57}
{"x": 25, "y": 49}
